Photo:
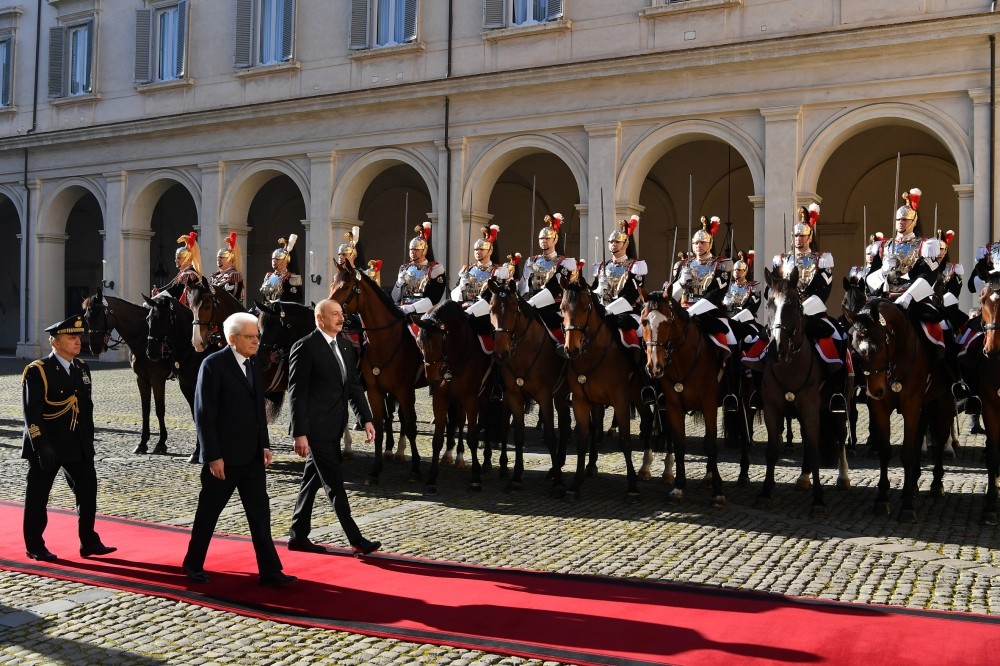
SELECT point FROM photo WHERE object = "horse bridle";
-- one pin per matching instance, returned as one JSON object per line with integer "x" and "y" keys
{"x": 668, "y": 346}
{"x": 108, "y": 343}
{"x": 515, "y": 339}
{"x": 215, "y": 338}
{"x": 887, "y": 335}
{"x": 793, "y": 348}
{"x": 446, "y": 373}
{"x": 585, "y": 342}
{"x": 166, "y": 344}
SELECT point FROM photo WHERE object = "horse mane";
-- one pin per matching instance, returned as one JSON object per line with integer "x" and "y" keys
{"x": 380, "y": 292}
{"x": 572, "y": 291}
{"x": 445, "y": 312}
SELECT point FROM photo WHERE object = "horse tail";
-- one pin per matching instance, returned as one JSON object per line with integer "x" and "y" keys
{"x": 272, "y": 405}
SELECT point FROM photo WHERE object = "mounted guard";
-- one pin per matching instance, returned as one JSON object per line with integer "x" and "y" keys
{"x": 540, "y": 282}
{"x": 617, "y": 281}
{"x": 230, "y": 263}
{"x": 473, "y": 277}
{"x": 281, "y": 284}
{"x": 421, "y": 282}
{"x": 188, "y": 261}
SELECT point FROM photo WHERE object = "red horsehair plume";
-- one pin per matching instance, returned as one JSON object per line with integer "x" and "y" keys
{"x": 231, "y": 240}
{"x": 713, "y": 225}
{"x": 555, "y": 221}
{"x": 376, "y": 264}
{"x": 191, "y": 239}
{"x": 813, "y": 214}
{"x": 514, "y": 258}
{"x": 750, "y": 256}
{"x": 913, "y": 197}
{"x": 632, "y": 224}
{"x": 426, "y": 231}
{"x": 948, "y": 235}
{"x": 579, "y": 265}
{"x": 880, "y": 236}
{"x": 494, "y": 229}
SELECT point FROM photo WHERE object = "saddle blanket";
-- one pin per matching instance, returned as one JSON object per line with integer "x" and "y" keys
{"x": 934, "y": 332}
{"x": 968, "y": 340}
{"x": 825, "y": 347}
{"x": 557, "y": 335}
{"x": 630, "y": 338}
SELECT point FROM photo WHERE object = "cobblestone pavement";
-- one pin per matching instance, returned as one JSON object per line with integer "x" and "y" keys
{"x": 946, "y": 560}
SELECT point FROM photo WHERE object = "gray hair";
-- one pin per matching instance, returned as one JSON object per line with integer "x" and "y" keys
{"x": 235, "y": 322}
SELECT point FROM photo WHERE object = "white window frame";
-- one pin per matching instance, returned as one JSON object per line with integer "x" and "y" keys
{"x": 371, "y": 19}
{"x": 265, "y": 33}
{"x": 500, "y": 14}
{"x": 6, "y": 69}
{"x": 73, "y": 59}
{"x": 161, "y": 42}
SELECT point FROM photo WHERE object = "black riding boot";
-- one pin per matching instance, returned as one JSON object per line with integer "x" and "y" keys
{"x": 975, "y": 425}
{"x": 838, "y": 402}
{"x": 965, "y": 393}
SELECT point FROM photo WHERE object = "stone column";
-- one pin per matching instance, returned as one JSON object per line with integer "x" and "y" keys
{"x": 458, "y": 224}
{"x": 967, "y": 237}
{"x": 115, "y": 257}
{"x": 974, "y": 230}
{"x": 48, "y": 294}
{"x": 604, "y": 151}
{"x": 27, "y": 346}
{"x": 322, "y": 241}
{"x": 760, "y": 262}
{"x": 209, "y": 221}
{"x": 782, "y": 140}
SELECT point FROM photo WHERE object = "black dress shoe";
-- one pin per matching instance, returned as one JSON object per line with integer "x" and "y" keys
{"x": 366, "y": 547}
{"x": 43, "y": 555}
{"x": 194, "y": 458}
{"x": 99, "y": 549}
{"x": 195, "y": 575}
{"x": 306, "y": 546}
{"x": 277, "y": 580}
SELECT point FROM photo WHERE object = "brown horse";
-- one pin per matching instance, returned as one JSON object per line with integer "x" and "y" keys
{"x": 688, "y": 366}
{"x": 600, "y": 372}
{"x": 391, "y": 365}
{"x": 530, "y": 369}
{"x": 794, "y": 383}
{"x": 104, "y": 314}
{"x": 459, "y": 374}
{"x": 902, "y": 373}
{"x": 988, "y": 369}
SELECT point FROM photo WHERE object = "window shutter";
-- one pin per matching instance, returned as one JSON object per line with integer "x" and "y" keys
{"x": 287, "y": 29}
{"x": 6, "y": 47}
{"x": 143, "y": 46}
{"x": 182, "y": 28}
{"x": 90, "y": 57}
{"x": 57, "y": 56}
{"x": 409, "y": 20}
{"x": 244, "y": 34}
{"x": 493, "y": 14}
{"x": 360, "y": 14}
{"x": 553, "y": 10}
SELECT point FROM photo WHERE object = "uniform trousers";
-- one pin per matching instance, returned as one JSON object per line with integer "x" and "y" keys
{"x": 82, "y": 479}
{"x": 323, "y": 469}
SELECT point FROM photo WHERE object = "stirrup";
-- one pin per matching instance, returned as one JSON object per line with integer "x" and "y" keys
{"x": 971, "y": 405}
{"x": 561, "y": 351}
{"x": 960, "y": 390}
{"x": 756, "y": 401}
{"x": 648, "y": 395}
{"x": 838, "y": 404}
{"x": 730, "y": 403}
{"x": 496, "y": 395}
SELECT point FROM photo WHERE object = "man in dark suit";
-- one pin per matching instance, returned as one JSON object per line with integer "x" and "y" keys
{"x": 59, "y": 433}
{"x": 322, "y": 378}
{"x": 235, "y": 449}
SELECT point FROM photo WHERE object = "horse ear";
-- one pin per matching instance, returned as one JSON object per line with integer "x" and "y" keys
{"x": 149, "y": 302}
{"x": 563, "y": 282}
{"x": 847, "y": 284}
{"x": 793, "y": 279}
{"x": 204, "y": 282}
{"x": 262, "y": 307}
{"x": 643, "y": 296}
{"x": 768, "y": 277}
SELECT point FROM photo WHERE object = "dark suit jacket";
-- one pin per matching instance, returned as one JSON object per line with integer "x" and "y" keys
{"x": 318, "y": 392}
{"x": 229, "y": 415}
{"x": 49, "y": 416}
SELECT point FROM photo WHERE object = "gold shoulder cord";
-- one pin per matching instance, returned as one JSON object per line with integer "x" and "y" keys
{"x": 70, "y": 404}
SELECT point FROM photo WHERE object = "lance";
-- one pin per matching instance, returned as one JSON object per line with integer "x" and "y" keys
{"x": 472, "y": 200}
{"x": 673, "y": 257}
{"x": 597, "y": 249}
{"x": 690, "y": 205}
{"x": 406, "y": 224}
{"x": 935, "y": 220}
{"x": 531, "y": 243}
{"x": 895, "y": 192}
{"x": 864, "y": 239}
{"x": 603, "y": 227}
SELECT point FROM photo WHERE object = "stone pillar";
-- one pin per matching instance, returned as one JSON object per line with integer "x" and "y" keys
{"x": 760, "y": 260}
{"x": 321, "y": 238}
{"x": 974, "y": 231}
{"x": 210, "y": 224}
{"x": 458, "y": 224}
{"x": 604, "y": 151}
{"x": 27, "y": 346}
{"x": 48, "y": 290}
{"x": 115, "y": 256}
{"x": 782, "y": 140}
{"x": 967, "y": 243}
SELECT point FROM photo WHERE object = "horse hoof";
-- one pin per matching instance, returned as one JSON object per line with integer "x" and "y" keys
{"x": 762, "y": 503}
{"x": 430, "y": 491}
{"x": 557, "y": 492}
{"x": 668, "y": 479}
{"x": 989, "y": 518}
{"x": 907, "y": 516}
{"x": 743, "y": 481}
{"x": 503, "y": 473}
{"x": 882, "y": 508}
{"x": 937, "y": 489}
{"x": 591, "y": 471}
{"x": 159, "y": 449}
{"x": 140, "y": 449}
{"x": 632, "y": 497}
{"x": 676, "y": 497}
{"x": 645, "y": 476}
{"x": 802, "y": 486}
{"x": 551, "y": 474}
{"x": 387, "y": 456}
{"x": 707, "y": 481}
{"x": 817, "y": 511}
{"x": 399, "y": 457}
{"x": 461, "y": 464}
{"x": 571, "y": 495}
{"x": 371, "y": 481}
{"x": 843, "y": 484}
{"x": 487, "y": 467}
{"x": 719, "y": 502}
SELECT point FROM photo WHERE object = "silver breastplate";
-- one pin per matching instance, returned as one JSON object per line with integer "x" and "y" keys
{"x": 737, "y": 296}
{"x": 702, "y": 274}
{"x": 471, "y": 281}
{"x": 906, "y": 254}
{"x": 414, "y": 282}
{"x": 610, "y": 280}
{"x": 225, "y": 279}
{"x": 542, "y": 270}
{"x": 995, "y": 255}
{"x": 807, "y": 265}
{"x": 272, "y": 287}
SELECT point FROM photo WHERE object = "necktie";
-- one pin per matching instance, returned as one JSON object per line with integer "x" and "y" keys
{"x": 246, "y": 364}
{"x": 340, "y": 359}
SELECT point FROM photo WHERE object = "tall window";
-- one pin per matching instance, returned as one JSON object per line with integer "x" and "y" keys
{"x": 71, "y": 60}
{"x": 6, "y": 69}
{"x": 264, "y": 32}
{"x": 161, "y": 43}
{"x": 383, "y": 23}
{"x": 527, "y": 12}
{"x": 508, "y": 13}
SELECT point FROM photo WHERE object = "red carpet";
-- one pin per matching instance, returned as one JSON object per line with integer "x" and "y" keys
{"x": 579, "y": 619}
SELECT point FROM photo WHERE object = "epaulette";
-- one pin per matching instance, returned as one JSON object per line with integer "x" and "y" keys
{"x": 38, "y": 363}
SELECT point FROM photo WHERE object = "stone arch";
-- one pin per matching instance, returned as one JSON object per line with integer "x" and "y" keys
{"x": 248, "y": 181}
{"x": 828, "y": 138}
{"x": 15, "y": 197}
{"x": 144, "y": 195}
{"x": 56, "y": 205}
{"x": 646, "y": 151}
{"x": 358, "y": 176}
{"x": 497, "y": 158}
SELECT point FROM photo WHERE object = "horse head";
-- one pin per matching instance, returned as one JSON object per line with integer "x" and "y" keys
{"x": 95, "y": 316}
{"x": 345, "y": 288}
{"x": 441, "y": 335}
{"x": 269, "y": 323}
{"x": 579, "y": 314}
{"x": 855, "y": 297}
{"x": 206, "y": 330}
{"x": 160, "y": 321}
{"x": 787, "y": 325}
{"x": 505, "y": 316}
{"x": 662, "y": 321}
{"x": 988, "y": 299}
{"x": 873, "y": 338}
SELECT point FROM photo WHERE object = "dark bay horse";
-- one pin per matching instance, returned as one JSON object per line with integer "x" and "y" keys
{"x": 392, "y": 363}
{"x": 989, "y": 390}
{"x": 688, "y": 366}
{"x": 530, "y": 369}
{"x": 169, "y": 341}
{"x": 459, "y": 374}
{"x": 104, "y": 314}
{"x": 902, "y": 373}
{"x": 600, "y": 372}
{"x": 794, "y": 383}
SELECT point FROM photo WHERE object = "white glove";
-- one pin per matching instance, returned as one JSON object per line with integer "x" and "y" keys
{"x": 685, "y": 276}
{"x": 959, "y": 270}
{"x": 980, "y": 253}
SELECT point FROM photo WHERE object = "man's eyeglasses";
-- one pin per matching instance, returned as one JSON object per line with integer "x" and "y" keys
{"x": 249, "y": 336}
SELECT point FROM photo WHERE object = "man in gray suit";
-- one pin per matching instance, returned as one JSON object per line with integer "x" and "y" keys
{"x": 322, "y": 378}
